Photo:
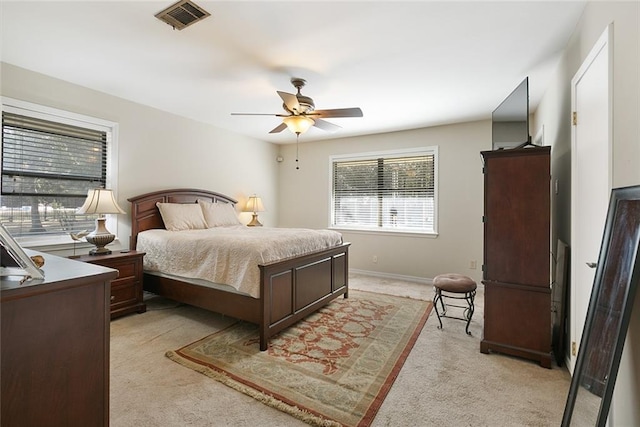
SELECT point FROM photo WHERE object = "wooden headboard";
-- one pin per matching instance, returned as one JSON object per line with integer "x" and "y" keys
{"x": 146, "y": 216}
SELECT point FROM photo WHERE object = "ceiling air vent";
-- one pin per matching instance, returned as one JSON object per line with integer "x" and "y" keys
{"x": 182, "y": 14}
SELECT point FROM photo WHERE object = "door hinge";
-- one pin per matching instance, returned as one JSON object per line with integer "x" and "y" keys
{"x": 574, "y": 118}
{"x": 573, "y": 348}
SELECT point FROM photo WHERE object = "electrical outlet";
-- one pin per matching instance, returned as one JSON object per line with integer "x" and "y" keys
{"x": 374, "y": 259}
{"x": 473, "y": 264}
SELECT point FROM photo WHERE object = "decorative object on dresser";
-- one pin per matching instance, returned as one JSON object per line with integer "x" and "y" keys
{"x": 254, "y": 205}
{"x": 516, "y": 270}
{"x": 55, "y": 346}
{"x": 100, "y": 201}
{"x": 126, "y": 290}
{"x": 15, "y": 262}
{"x": 287, "y": 289}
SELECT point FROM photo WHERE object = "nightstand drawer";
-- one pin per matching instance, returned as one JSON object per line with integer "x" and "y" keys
{"x": 123, "y": 281}
{"x": 127, "y": 270}
{"x": 122, "y": 294}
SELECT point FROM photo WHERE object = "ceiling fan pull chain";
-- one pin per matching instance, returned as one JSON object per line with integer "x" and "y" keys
{"x": 297, "y": 138}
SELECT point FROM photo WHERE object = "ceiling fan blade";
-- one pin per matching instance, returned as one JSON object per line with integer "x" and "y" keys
{"x": 290, "y": 100}
{"x": 279, "y": 128}
{"x": 258, "y": 114}
{"x": 337, "y": 112}
{"x": 324, "y": 125}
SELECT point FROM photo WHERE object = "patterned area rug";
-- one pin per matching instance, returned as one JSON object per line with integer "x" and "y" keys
{"x": 333, "y": 368}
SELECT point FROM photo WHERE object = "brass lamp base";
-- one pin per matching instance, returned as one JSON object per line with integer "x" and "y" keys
{"x": 254, "y": 221}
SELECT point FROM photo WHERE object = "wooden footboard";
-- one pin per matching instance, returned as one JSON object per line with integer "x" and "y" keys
{"x": 293, "y": 288}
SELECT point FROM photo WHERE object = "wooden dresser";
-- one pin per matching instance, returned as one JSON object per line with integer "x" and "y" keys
{"x": 126, "y": 290}
{"x": 55, "y": 346}
{"x": 516, "y": 269}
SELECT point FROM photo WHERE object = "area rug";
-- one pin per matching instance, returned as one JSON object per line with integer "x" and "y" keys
{"x": 333, "y": 368}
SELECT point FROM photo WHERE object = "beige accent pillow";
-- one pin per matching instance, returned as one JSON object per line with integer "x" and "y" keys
{"x": 181, "y": 216}
{"x": 219, "y": 214}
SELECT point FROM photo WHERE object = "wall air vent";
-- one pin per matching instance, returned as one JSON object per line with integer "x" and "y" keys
{"x": 182, "y": 14}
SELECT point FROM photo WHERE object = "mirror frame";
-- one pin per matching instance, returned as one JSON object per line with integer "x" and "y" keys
{"x": 608, "y": 262}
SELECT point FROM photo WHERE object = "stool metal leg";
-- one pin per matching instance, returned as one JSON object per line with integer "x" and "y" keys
{"x": 437, "y": 298}
{"x": 442, "y": 304}
{"x": 469, "y": 297}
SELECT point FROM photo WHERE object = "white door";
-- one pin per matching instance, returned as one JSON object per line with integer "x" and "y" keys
{"x": 590, "y": 177}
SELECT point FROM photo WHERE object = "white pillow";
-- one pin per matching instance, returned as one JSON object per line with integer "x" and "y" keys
{"x": 219, "y": 214}
{"x": 181, "y": 216}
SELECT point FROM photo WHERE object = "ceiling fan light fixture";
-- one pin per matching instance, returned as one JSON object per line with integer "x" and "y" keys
{"x": 300, "y": 109}
{"x": 298, "y": 124}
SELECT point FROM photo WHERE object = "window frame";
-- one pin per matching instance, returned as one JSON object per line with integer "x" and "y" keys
{"x": 38, "y": 111}
{"x": 387, "y": 154}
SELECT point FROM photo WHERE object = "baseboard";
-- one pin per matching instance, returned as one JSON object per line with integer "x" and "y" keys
{"x": 415, "y": 279}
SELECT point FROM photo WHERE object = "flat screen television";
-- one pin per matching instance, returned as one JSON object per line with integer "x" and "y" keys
{"x": 510, "y": 121}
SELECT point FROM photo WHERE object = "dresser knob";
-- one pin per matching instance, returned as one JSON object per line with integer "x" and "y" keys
{"x": 113, "y": 297}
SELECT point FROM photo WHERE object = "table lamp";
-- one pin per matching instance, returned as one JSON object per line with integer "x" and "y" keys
{"x": 100, "y": 201}
{"x": 254, "y": 205}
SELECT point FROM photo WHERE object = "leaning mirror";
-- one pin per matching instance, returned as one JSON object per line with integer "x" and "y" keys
{"x": 605, "y": 328}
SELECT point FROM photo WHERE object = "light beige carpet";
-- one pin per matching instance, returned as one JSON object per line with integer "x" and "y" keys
{"x": 334, "y": 368}
{"x": 445, "y": 381}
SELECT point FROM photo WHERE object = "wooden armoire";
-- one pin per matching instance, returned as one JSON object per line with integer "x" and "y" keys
{"x": 516, "y": 265}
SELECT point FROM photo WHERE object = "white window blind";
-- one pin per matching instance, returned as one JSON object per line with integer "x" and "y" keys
{"x": 47, "y": 169}
{"x": 394, "y": 191}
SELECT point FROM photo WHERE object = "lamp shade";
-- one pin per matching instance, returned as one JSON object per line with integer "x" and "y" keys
{"x": 298, "y": 124}
{"x": 100, "y": 201}
{"x": 254, "y": 204}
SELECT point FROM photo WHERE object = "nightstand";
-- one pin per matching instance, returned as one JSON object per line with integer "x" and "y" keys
{"x": 126, "y": 290}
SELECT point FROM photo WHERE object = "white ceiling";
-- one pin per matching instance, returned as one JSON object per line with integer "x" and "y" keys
{"x": 406, "y": 64}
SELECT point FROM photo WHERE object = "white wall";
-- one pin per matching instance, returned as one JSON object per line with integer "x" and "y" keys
{"x": 305, "y": 193}
{"x": 554, "y": 113}
{"x": 159, "y": 150}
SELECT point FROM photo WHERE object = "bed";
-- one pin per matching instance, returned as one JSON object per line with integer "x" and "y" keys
{"x": 289, "y": 289}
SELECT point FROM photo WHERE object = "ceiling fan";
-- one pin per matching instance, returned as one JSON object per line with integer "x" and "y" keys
{"x": 301, "y": 113}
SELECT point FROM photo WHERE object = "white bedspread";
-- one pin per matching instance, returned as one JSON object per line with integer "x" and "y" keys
{"x": 228, "y": 255}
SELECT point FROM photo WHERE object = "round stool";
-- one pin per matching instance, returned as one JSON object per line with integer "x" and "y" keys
{"x": 456, "y": 286}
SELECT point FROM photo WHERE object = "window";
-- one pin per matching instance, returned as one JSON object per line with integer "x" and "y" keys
{"x": 388, "y": 191}
{"x": 50, "y": 159}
